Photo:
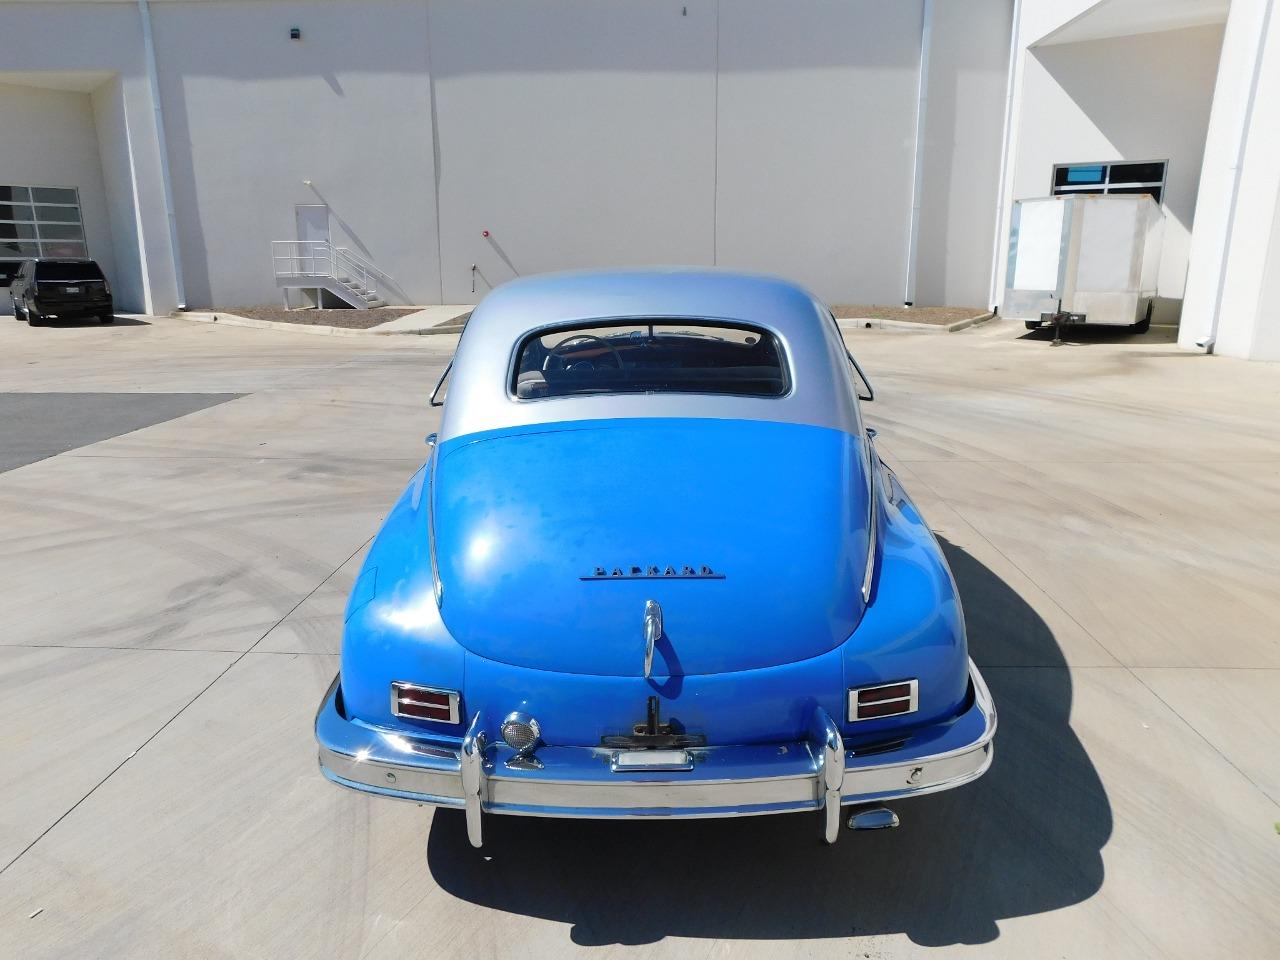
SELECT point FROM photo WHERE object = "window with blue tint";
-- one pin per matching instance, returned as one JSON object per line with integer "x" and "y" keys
{"x": 1120, "y": 177}
{"x": 1081, "y": 175}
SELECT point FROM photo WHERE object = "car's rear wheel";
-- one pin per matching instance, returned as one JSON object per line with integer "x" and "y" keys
{"x": 33, "y": 316}
{"x": 17, "y": 314}
{"x": 1032, "y": 324}
{"x": 107, "y": 318}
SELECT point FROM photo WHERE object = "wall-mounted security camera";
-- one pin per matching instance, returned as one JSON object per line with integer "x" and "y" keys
{"x": 295, "y": 33}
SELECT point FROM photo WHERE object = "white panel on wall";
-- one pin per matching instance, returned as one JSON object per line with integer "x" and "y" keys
{"x": 816, "y": 128}
{"x": 577, "y": 134}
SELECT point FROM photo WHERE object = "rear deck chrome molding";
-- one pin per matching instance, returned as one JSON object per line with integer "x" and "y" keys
{"x": 819, "y": 773}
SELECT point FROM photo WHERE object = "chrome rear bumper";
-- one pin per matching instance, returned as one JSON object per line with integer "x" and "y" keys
{"x": 813, "y": 774}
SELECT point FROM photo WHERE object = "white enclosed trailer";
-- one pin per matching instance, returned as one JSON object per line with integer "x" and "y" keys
{"x": 1083, "y": 259}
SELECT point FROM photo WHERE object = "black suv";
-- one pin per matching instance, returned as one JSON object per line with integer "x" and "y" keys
{"x": 61, "y": 289}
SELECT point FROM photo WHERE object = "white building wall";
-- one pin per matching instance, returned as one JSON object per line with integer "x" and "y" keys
{"x": 47, "y": 138}
{"x": 577, "y": 134}
{"x": 104, "y": 39}
{"x": 815, "y": 142}
{"x": 1235, "y": 270}
{"x": 251, "y": 114}
{"x": 111, "y": 124}
{"x": 1264, "y": 344}
{"x": 964, "y": 126}
{"x": 1136, "y": 98}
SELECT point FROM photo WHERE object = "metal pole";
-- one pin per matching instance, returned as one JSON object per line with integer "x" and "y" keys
{"x": 922, "y": 102}
{"x": 997, "y": 251}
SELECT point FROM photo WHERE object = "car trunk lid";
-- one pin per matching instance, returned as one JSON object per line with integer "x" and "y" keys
{"x": 750, "y": 536}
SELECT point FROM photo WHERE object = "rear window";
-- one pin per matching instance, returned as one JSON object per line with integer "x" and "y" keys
{"x": 659, "y": 356}
{"x": 66, "y": 270}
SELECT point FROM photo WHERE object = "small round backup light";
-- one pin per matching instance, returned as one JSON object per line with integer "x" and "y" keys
{"x": 521, "y": 732}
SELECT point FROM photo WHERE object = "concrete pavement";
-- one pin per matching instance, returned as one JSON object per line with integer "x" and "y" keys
{"x": 172, "y": 604}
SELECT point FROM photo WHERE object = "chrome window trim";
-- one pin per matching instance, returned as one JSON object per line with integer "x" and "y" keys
{"x": 727, "y": 323}
{"x": 402, "y": 686}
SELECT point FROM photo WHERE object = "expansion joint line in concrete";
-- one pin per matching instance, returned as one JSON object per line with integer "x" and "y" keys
{"x": 916, "y": 478}
{"x": 222, "y": 673}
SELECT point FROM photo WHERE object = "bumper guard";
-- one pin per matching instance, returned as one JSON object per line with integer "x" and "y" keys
{"x": 818, "y": 773}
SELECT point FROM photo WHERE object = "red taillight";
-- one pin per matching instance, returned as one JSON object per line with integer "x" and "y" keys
{"x": 884, "y": 700}
{"x": 424, "y": 703}
{"x": 895, "y": 691}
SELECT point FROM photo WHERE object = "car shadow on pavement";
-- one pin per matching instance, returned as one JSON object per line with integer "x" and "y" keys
{"x": 1080, "y": 334}
{"x": 72, "y": 324}
{"x": 1025, "y": 839}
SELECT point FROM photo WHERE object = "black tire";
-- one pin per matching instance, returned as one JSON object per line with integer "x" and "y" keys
{"x": 1143, "y": 325}
{"x": 17, "y": 315}
{"x": 33, "y": 317}
{"x": 107, "y": 318}
{"x": 1033, "y": 324}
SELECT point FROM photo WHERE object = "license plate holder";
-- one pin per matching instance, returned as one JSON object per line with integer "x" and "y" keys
{"x": 629, "y": 761}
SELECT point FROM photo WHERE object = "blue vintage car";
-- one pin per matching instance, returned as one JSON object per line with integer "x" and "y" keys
{"x": 653, "y": 567}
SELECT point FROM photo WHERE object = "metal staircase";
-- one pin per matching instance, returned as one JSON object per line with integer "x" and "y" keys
{"x": 319, "y": 265}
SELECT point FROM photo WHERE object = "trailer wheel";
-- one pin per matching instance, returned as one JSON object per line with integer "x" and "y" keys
{"x": 1033, "y": 324}
{"x": 1143, "y": 325}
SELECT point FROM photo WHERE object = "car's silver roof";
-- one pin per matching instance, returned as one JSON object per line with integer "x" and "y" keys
{"x": 479, "y": 396}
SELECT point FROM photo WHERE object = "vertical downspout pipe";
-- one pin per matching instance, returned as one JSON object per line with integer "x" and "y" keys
{"x": 922, "y": 103}
{"x": 149, "y": 52}
{"x": 996, "y": 252}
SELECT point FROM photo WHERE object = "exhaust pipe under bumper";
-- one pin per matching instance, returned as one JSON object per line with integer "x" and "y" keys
{"x": 873, "y": 818}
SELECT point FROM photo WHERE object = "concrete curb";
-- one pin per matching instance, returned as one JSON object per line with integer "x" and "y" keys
{"x": 864, "y": 323}
{"x": 315, "y": 329}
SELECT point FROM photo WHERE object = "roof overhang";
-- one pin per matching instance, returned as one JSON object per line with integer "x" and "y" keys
{"x": 1127, "y": 18}
{"x": 75, "y": 81}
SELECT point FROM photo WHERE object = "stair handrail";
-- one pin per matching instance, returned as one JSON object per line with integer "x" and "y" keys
{"x": 360, "y": 269}
{"x": 302, "y": 258}
{"x": 321, "y": 259}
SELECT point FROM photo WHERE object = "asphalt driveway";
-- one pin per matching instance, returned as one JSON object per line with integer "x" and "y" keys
{"x": 174, "y": 572}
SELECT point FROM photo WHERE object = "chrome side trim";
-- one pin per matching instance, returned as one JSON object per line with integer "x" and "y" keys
{"x": 473, "y": 779}
{"x": 873, "y": 522}
{"x": 436, "y": 582}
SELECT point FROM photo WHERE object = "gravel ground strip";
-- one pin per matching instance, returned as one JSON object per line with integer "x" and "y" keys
{"x": 349, "y": 319}
{"x": 936, "y": 315}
